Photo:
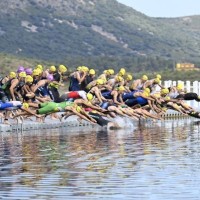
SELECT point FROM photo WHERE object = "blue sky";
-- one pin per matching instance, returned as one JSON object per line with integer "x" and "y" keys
{"x": 165, "y": 8}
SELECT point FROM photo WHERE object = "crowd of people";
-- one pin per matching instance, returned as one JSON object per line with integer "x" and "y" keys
{"x": 91, "y": 97}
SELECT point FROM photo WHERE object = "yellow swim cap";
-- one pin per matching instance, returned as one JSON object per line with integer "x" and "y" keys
{"x": 144, "y": 77}
{"x": 92, "y": 72}
{"x": 12, "y": 75}
{"x": 156, "y": 80}
{"x": 147, "y": 90}
{"x": 22, "y": 74}
{"x": 180, "y": 86}
{"x": 29, "y": 79}
{"x": 84, "y": 69}
{"x": 62, "y": 68}
{"x": 164, "y": 91}
{"x": 78, "y": 68}
{"x": 121, "y": 88}
{"x": 78, "y": 109}
{"x": 25, "y": 105}
{"x": 36, "y": 72}
{"x": 122, "y": 70}
{"x": 119, "y": 78}
{"x": 52, "y": 68}
{"x": 129, "y": 77}
{"x": 158, "y": 76}
{"x": 89, "y": 96}
{"x": 99, "y": 81}
{"x": 105, "y": 72}
{"x": 40, "y": 71}
{"x": 111, "y": 71}
{"x": 121, "y": 73}
{"x": 39, "y": 67}
{"x": 167, "y": 98}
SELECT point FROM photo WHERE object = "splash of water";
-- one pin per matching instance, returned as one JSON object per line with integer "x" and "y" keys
{"x": 124, "y": 122}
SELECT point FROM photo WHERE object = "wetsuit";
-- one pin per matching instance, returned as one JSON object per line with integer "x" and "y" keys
{"x": 18, "y": 88}
{"x": 3, "y": 96}
{"x": 74, "y": 95}
{"x": 189, "y": 96}
{"x": 194, "y": 114}
{"x": 128, "y": 95}
{"x": 53, "y": 89}
{"x": 139, "y": 87}
{"x": 74, "y": 84}
{"x": 43, "y": 90}
{"x": 11, "y": 104}
{"x": 184, "y": 96}
{"x": 107, "y": 95}
{"x": 99, "y": 119}
{"x": 137, "y": 100}
{"x": 6, "y": 88}
{"x": 50, "y": 107}
{"x": 90, "y": 86}
{"x": 88, "y": 79}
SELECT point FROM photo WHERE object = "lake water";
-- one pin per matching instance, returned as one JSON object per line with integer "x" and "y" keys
{"x": 150, "y": 161}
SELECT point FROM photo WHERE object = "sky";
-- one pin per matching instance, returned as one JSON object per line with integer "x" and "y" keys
{"x": 165, "y": 8}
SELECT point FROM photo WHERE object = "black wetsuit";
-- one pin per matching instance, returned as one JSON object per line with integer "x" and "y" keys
{"x": 86, "y": 81}
{"x": 194, "y": 114}
{"x": 6, "y": 88}
{"x": 53, "y": 89}
{"x": 188, "y": 96}
{"x": 100, "y": 120}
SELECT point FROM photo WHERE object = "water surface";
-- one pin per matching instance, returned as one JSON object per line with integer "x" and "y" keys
{"x": 152, "y": 161}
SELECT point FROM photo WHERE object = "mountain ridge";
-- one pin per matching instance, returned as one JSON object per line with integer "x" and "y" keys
{"x": 54, "y": 30}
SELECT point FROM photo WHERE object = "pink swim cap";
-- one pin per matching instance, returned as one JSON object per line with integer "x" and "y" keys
{"x": 28, "y": 71}
{"x": 50, "y": 77}
{"x": 20, "y": 69}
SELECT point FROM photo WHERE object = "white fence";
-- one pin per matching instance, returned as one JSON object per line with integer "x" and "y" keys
{"x": 189, "y": 87}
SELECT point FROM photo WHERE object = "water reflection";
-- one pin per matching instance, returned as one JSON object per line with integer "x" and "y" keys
{"x": 157, "y": 160}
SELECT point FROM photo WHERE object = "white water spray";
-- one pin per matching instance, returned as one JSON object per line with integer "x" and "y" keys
{"x": 124, "y": 122}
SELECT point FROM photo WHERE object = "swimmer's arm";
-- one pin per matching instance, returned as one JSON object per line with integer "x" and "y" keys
{"x": 82, "y": 116}
{"x": 29, "y": 111}
{"x": 13, "y": 85}
{"x": 39, "y": 84}
{"x": 104, "y": 99}
{"x": 115, "y": 99}
{"x": 134, "y": 85}
{"x": 145, "y": 97}
{"x": 89, "y": 117}
{"x": 81, "y": 79}
{"x": 26, "y": 89}
{"x": 120, "y": 98}
{"x": 150, "y": 104}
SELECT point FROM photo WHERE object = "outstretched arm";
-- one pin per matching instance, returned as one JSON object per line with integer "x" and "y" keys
{"x": 13, "y": 85}
{"x": 39, "y": 84}
{"x": 79, "y": 114}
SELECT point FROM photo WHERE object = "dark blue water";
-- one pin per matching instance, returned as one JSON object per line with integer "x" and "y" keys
{"x": 153, "y": 161}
